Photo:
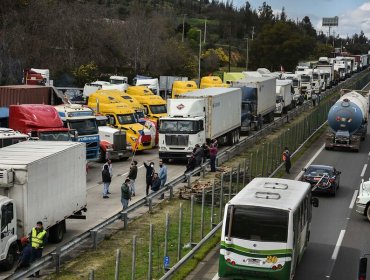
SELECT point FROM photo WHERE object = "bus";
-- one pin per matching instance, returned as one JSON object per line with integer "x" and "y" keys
{"x": 266, "y": 228}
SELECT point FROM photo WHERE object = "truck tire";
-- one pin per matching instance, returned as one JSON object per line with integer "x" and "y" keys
{"x": 56, "y": 232}
{"x": 8, "y": 263}
{"x": 101, "y": 155}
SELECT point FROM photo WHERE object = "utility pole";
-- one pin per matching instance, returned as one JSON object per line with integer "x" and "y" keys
{"x": 229, "y": 56}
{"x": 252, "y": 32}
{"x": 205, "y": 30}
{"x": 183, "y": 27}
{"x": 247, "y": 62}
{"x": 200, "y": 53}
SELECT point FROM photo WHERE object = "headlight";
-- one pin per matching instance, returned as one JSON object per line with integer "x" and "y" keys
{"x": 163, "y": 148}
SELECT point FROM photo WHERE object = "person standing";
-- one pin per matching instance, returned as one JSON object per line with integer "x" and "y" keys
{"x": 37, "y": 238}
{"x": 286, "y": 159}
{"x": 24, "y": 260}
{"x": 213, "y": 154}
{"x": 149, "y": 175}
{"x": 132, "y": 176}
{"x": 125, "y": 193}
{"x": 110, "y": 168}
{"x": 191, "y": 164}
{"x": 106, "y": 178}
{"x": 198, "y": 153}
{"x": 314, "y": 97}
{"x": 162, "y": 175}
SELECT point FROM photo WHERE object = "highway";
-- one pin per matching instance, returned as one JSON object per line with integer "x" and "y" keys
{"x": 339, "y": 235}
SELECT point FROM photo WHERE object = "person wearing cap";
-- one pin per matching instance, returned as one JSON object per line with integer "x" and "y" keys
{"x": 37, "y": 239}
{"x": 24, "y": 260}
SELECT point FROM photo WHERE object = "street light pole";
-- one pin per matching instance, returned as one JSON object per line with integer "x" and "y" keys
{"x": 200, "y": 53}
{"x": 247, "y": 54}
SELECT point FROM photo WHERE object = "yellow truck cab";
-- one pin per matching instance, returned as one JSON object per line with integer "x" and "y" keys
{"x": 212, "y": 81}
{"x": 154, "y": 105}
{"x": 180, "y": 87}
{"x": 230, "y": 77}
{"x": 117, "y": 96}
{"x": 122, "y": 116}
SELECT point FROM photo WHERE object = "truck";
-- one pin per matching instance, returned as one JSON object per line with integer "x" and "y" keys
{"x": 363, "y": 199}
{"x": 166, "y": 82}
{"x": 9, "y": 137}
{"x": 33, "y": 188}
{"x": 258, "y": 101}
{"x": 39, "y": 121}
{"x": 180, "y": 87}
{"x": 211, "y": 81}
{"x": 298, "y": 98}
{"x": 33, "y": 76}
{"x": 113, "y": 143}
{"x": 83, "y": 120}
{"x": 212, "y": 113}
{"x": 325, "y": 65}
{"x": 150, "y": 83}
{"x": 154, "y": 105}
{"x": 347, "y": 120}
{"x": 90, "y": 88}
{"x": 284, "y": 97}
{"x": 341, "y": 67}
{"x": 306, "y": 85}
{"x": 232, "y": 77}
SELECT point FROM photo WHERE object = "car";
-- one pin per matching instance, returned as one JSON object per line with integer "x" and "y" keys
{"x": 323, "y": 178}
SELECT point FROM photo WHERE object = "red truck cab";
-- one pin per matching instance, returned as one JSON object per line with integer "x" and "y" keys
{"x": 39, "y": 121}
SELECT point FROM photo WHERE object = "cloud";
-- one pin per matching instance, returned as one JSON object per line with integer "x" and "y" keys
{"x": 351, "y": 22}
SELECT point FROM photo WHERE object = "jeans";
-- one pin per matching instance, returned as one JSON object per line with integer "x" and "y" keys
{"x": 213, "y": 163}
{"x": 36, "y": 254}
{"x": 132, "y": 186}
{"x": 106, "y": 188}
{"x": 124, "y": 202}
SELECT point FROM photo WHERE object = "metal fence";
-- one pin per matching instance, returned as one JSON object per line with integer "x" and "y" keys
{"x": 169, "y": 243}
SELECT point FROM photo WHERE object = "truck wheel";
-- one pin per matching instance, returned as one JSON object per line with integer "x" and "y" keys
{"x": 56, "y": 233}
{"x": 101, "y": 155}
{"x": 8, "y": 263}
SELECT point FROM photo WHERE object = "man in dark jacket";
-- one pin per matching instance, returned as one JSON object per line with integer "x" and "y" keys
{"x": 106, "y": 178}
{"x": 156, "y": 182}
{"x": 125, "y": 194}
{"x": 132, "y": 176}
{"x": 25, "y": 254}
{"x": 149, "y": 175}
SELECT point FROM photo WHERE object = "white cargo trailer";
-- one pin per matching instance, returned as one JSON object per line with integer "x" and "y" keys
{"x": 284, "y": 96}
{"x": 39, "y": 181}
{"x": 211, "y": 113}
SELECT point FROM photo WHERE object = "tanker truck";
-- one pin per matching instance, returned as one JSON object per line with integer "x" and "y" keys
{"x": 347, "y": 120}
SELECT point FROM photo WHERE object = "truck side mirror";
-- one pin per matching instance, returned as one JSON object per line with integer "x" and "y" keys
{"x": 304, "y": 169}
{"x": 315, "y": 202}
{"x": 362, "y": 268}
{"x": 111, "y": 120}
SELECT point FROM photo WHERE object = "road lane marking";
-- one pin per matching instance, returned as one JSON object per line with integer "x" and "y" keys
{"x": 310, "y": 161}
{"x": 337, "y": 246}
{"x": 353, "y": 199}
{"x": 216, "y": 277}
{"x": 363, "y": 170}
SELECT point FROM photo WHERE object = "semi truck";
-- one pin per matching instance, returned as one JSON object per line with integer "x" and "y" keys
{"x": 166, "y": 82}
{"x": 211, "y": 81}
{"x": 347, "y": 120}
{"x": 33, "y": 188}
{"x": 180, "y": 87}
{"x": 113, "y": 143}
{"x": 83, "y": 120}
{"x": 39, "y": 121}
{"x": 258, "y": 101}
{"x": 363, "y": 199}
{"x": 9, "y": 137}
{"x": 284, "y": 97}
{"x": 325, "y": 65}
{"x": 212, "y": 113}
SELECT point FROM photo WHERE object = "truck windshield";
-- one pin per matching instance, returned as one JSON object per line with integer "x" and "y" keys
{"x": 158, "y": 109}
{"x": 315, "y": 76}
{"x": 306, "y": 79}
{"x": 139, "y": 114}
{"x": 55, "y": 136}
{"x": 295, "y": 83}
{"x": 258, "y": 223}
{"x": 126, "y": 119}
{"x": 178, "y": 126}
{"x": 84, "y": 126}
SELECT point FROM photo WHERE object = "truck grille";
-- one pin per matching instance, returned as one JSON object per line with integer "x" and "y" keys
{"x": 119, "y": 141}
{"x": 177, "y": 140}
{"x": 92, "y": 145}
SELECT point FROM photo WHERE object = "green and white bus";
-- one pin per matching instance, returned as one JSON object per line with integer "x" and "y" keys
{"x": 266, "y": 228}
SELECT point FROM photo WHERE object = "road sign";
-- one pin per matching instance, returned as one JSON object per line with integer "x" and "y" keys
{"x": 166, "y": 261}
{"x": 332, "y": 21}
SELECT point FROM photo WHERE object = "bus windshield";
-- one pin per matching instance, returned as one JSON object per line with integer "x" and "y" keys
{"x": 158, "y": 109}
{"x": 258, "y": 223}
{"x": 84, "y": 126}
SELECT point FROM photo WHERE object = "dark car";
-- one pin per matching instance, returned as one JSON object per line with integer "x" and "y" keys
{"x": 323, "y": 178}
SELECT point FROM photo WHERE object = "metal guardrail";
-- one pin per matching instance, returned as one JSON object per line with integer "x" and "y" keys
{"x": 57, "y": 253}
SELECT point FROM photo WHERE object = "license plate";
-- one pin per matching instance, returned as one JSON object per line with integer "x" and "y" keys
{"x": 120, "y": 154}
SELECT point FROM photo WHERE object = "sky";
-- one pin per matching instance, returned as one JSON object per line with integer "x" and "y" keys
{"x": 354, "y": 15}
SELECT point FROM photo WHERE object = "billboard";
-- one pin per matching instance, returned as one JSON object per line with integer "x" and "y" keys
{"x": 330, "y": 21}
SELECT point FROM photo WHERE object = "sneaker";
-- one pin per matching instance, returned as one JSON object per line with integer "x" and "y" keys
{"x": 105, "y": 196}
{"x": 108, "y": 193}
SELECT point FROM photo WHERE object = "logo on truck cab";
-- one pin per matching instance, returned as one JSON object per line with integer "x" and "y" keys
{"x": 180, "y": 106}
